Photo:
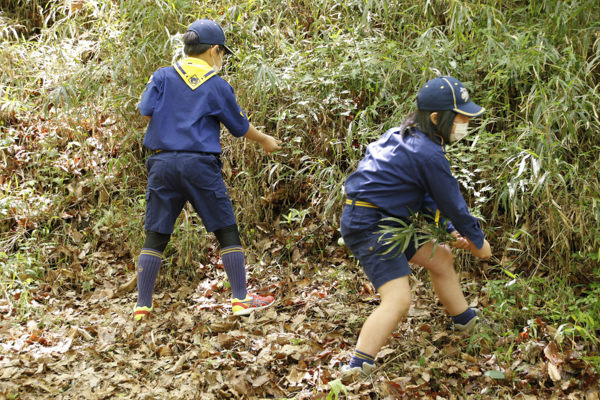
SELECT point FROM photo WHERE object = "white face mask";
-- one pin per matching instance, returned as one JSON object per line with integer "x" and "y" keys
{"x": 460, "y": 132}
{"x": 214, "y": 67}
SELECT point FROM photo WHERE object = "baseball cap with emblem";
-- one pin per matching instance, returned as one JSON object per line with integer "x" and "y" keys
{"x": 447, "y": 93}
{"x": 209, "y": 32}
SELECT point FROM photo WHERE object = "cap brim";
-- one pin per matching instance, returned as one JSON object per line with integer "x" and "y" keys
{"x": 470, "y": 109}
{"x": 228, "y": 51}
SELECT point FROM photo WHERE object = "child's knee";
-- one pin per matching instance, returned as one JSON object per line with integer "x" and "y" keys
{"x": 398, "y": 305}
{"x": 444, "y": 259}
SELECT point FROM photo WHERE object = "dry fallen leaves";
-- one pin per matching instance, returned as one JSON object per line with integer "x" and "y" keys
{"x": 193, "y": 348}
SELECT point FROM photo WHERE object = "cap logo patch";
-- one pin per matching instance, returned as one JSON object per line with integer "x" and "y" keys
{"x": 464, "y": 94}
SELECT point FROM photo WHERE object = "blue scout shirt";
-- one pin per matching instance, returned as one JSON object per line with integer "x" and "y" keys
{"x": 189, "y": 120}
{"x": 406, "y": 172}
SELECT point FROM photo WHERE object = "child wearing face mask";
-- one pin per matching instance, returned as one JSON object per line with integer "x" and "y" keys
{"x": 406, "y": 171}
{"x": 186, "y": 104}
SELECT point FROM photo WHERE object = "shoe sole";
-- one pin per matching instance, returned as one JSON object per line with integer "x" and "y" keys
{"x": 248, "y": 311}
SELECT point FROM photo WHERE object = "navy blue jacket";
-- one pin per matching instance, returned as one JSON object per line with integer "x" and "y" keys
{"x": 189, "y": 120}
{"x": 411, "y": 172}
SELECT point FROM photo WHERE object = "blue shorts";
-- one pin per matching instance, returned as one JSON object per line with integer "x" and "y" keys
{"x": 359, "y": 226}
{"x": 176, "y": 177}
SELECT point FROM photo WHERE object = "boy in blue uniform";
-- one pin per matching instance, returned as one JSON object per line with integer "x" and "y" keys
{"x": 185, "y": 104}
{"x": 407, "y": 170}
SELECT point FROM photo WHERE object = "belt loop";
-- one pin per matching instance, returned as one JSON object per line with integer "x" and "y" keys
{"x": 174, "y": 153}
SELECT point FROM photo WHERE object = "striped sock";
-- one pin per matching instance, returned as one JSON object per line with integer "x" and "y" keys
{"x": 359, "y": 358}
{"x": 464, "y": 317}
{"x": 233, "y": 262}
{"x": 148, "y": 266}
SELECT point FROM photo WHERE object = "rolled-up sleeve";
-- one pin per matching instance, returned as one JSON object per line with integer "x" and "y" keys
{"x": 437, "y": 179}
{"x": 148, "y": 102}
{"x": 230, "y": 113}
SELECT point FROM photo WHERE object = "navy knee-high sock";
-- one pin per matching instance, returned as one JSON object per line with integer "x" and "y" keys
{"x": 148, "y": 266}
{"x": 359, "y": 358}
{"x": 234, "y": 264}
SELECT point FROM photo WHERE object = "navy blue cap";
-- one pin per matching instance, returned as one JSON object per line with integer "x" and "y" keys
{"x": 209, "y": 32}
{"x": 446, "y": 93}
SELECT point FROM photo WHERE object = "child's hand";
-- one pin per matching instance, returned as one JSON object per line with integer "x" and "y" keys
{"x": 270, "y": 144}
{"x": 485, "y": 252}
{"x": 460, "y": 242}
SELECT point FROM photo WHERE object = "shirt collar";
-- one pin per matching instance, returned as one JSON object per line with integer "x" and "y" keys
{"x": 194, "y": 60}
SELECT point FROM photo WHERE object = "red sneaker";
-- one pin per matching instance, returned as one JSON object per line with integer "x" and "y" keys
{"x": 250, "y": 303}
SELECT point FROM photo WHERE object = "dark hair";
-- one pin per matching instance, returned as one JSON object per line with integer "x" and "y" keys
{"x": 422, "y": 119}
{"x": 193, "y": 48}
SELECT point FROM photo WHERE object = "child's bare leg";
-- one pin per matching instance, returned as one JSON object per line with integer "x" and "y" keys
{"x": 443, "y": 276}
{"x": 395, "y": 302}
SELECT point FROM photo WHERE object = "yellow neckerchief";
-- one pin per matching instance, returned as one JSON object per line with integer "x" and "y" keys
{"x": 194, "y": 71}
{"x": 437, "y": 213}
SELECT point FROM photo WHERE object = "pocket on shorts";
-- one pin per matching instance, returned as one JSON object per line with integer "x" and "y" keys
{"x": 222, "y": 214}
{"x": 156, "y": 173}
{"x": 380, "y": 246}
{"x": 202, "y": 171}
{"x": 223, "y": 199}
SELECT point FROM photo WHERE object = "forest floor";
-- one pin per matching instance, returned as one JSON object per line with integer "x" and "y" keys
{"x": 86, "y": 345}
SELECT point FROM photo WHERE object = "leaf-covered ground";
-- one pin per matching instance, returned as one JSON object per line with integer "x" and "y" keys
{"x": 87, "y": 346}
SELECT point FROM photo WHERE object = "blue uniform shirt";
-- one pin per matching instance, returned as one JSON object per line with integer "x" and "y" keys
{"x": 189, "y": 120}
{"x": 402, "y": 172}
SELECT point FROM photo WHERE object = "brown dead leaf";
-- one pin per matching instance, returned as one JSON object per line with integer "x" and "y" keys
{"x": 103, "y": 196}
{"x": 298, "y": 320}
{"x": 128, "y": 286}
{"x": 553, "y": 355}
{"x": 227, "y": 168}
{"x": 73, "y": 332}
{"x": 419, "y": 312}
{"x": 264, "y": 245}
{"x": 261, "y": 380}
{"x": 222, "y": 326}
{"x": 85, "y": 334}
{"x": 450, "y": 350}
{"x": 438, "y": 336}
{"x": 553, "y": 372}
{"x": 295, "y": 255}
{"x": 184, "y": 292}
{"x": 164, "y": 351}
{"x": 296, "y": 376}
{"x": 179, "y": 364}
{"x": 468, "y": 357}
{"x": 592, "y": 395}
{"x": 303, "y": 283}
{"x": 76, "y": 5}
{"x": 429, "y": 351}
{"x": 384, "y": 352}
{"x": 225, "y": 340}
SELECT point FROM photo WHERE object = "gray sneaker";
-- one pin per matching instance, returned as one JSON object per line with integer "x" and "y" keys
{"x": 365, "y": 371}
{"x": 472, "y": 324}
